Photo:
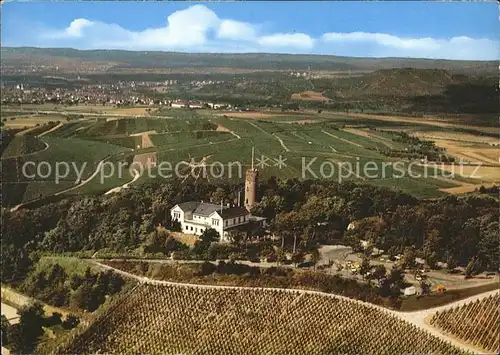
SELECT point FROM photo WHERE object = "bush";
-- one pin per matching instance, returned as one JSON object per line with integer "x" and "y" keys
{"x": 70, "y": 322}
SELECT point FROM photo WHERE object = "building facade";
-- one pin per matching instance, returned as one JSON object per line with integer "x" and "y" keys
{"x": 195, "y": 217}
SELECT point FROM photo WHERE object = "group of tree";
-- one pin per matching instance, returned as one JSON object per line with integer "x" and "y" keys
{"x": 303, "y": 212}
{"x": 79, "y": 292}
{"x": 22, "y": 337}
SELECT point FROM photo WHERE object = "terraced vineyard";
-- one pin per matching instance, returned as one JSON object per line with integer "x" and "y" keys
{"x": 319, "y": 149}
{"x": 475, "y": 322}
{"x": 161, "y": 319}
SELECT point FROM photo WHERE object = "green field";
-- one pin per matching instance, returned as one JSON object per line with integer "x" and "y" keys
{"x": 21, "y": 145}
{"x": 319, "y": 149}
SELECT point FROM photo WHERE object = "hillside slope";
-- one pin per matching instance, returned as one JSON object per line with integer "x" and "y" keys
{"x": 67, "y": 59}
{"x": 160, "y": 319}
{"x": 431, "y": 90}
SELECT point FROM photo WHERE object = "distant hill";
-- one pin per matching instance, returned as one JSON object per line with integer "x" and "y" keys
{"x": 22, "y": 59}
{"x": 433, "y": 90}
{"x": 394, "y": 82}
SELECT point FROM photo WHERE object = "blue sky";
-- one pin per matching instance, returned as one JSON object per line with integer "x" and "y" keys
{"x": 454, "y": 30}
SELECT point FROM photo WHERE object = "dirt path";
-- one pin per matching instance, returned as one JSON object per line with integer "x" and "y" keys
{"x": 363, "y": 133}
{"x": 464, "y": 188}
{"x": 224, "y": 129}
{"x": 94, "y": 174}
{"x": 146, "y": 141}
{"x": 51, "y": 130}
{"x": 342, "y": 139}
{"x": 281, "y": 142}
{"x": 421, "y": 320}
{"x": 126, "y": 185}
{"x": 416, "y": 318}
{"x": 146, "y": 160}
{"x": 21, "y": 300}
{"x": 28, "y": 154}
{"x": 270, "y": 134}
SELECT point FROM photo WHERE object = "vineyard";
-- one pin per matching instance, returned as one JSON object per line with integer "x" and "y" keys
{"x": 475, "y": 322}
{"x": 164, "y": 319}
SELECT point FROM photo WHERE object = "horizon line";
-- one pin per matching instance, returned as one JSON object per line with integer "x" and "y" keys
{"x": 249, "y": 53}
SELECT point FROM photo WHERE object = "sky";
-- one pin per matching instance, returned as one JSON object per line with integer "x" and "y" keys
{"x": 448, "y": 30}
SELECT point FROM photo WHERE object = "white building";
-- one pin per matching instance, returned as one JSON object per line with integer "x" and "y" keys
{"x": 410, "y": 291}
{"x": 179, "y": 104}
{"x": 196, "y": 217}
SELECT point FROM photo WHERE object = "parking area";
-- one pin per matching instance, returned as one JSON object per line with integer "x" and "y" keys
{"x": 346, "y": 263}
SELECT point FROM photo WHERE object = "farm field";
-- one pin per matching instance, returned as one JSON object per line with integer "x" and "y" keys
{"x": 159, "y": 319}
{"x": 132, "y": 111}
{"x": 82, "y": 156}
{"x": 23, "y": 144}
{"x": 475, "y": 322}
{"x": 310, "y": 96}
{"x": 320, "y": 147}
{"x": 31, "y": 120}
{"x": 427, "y": 121}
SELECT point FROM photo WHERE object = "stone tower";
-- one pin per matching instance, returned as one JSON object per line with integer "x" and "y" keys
{"x": 251, "y": 185}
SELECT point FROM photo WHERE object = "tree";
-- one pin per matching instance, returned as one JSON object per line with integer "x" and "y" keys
{"x": 87, "y": 297}
{"x": 237, "y": 238}
{"x": 209, "y": 235}
{"x": 408, "y": 259}
{"x": 297, "y": 258}
{"x": 394, "y": 282}
{"x": 379, "y": 273}
{"x": 115, "y": 284}
{"x": 451, "y": 262}
{"x": 75, "y": 281}
{"x": 70, "y": 322}
{"x": 5, "y": 330}
{"x": 24, "y": 337}
{"x": 365, "y": 267}
{"x": 425, "y": 287}
{"x": 315, "y": 257}
{"x": 471, "y": 268}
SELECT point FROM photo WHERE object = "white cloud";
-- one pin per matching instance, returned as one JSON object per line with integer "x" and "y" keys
{"x": 298, "y": 40}
{"x": 382, "y": 44}
{"x": 230, "y": 29}
{"x": 199, "y": 29}
{"x": 75, "y": 28}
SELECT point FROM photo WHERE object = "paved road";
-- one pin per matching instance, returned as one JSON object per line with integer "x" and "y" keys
{"x": 417, "y": 318}
{"x": 11, "y": 313}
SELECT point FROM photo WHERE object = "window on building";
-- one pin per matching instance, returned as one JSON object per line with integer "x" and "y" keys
{"x": 201, "y": 230}
{"x": 244, "y": 218}
{"x": 191, "y": 228}
{"x": 215, "y": 222}
{"x": 187, "y": 228}
{"x": 196, "y": 230}
{"x": 227, "y": 222}
{"x": 177, "y": 215}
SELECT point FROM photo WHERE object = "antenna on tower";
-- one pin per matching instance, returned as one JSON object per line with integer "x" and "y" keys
{"x": 253, "y": 153}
